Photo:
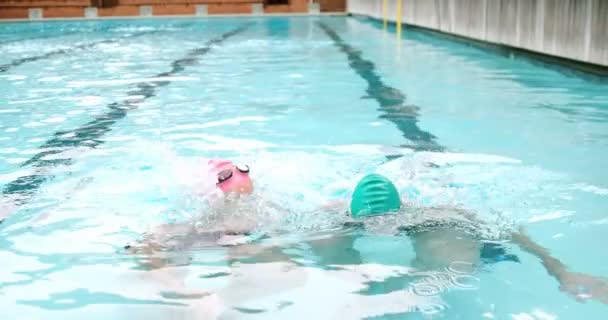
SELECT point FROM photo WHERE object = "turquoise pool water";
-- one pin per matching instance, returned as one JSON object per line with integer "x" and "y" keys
{"x": 104, "y": 125}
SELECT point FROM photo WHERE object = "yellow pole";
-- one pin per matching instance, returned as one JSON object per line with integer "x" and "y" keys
{"x": 385, "y": 12}
{"x": 399, "y": 18}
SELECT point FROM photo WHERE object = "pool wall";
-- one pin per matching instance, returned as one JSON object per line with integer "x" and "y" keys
{"x": 569, "y": 29}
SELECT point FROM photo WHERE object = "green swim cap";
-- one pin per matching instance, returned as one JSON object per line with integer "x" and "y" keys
{"x": 374, "y": 195}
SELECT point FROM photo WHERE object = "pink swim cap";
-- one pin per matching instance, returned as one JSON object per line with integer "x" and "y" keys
{"x": 231, "y": 177}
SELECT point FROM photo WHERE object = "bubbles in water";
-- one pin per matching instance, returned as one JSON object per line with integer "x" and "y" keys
{"x": 460, "y": 267}
{"x": 431, "y": 308}
{"x": 457, "y": 276}
{"x": 425, "y": 289}
{"x": 465, "y": 282}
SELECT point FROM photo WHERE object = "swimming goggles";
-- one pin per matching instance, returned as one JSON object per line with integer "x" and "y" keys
{"x": 226, "y": 174}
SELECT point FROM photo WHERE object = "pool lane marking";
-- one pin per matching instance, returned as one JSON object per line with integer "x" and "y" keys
{"x": 22, "y": 189}
{"x": 390, "y": 100}
{"x": 54, "y": 53}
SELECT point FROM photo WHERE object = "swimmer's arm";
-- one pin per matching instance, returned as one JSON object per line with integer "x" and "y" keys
{"x": 554, "y": 267}
{"x": 151, "y": 241}
{"x": 149, "y": 253}
{"x": 151, "y": 250}
{"x": 580, "y": 285}
{"x": 439, "y": 213}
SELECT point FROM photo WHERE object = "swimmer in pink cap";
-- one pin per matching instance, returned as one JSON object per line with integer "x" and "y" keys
{"x": 222, "y": 178}
{"x": 231, "y": 178}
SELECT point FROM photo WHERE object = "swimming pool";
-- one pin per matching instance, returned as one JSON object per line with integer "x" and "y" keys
{"x": 104, "y": 122}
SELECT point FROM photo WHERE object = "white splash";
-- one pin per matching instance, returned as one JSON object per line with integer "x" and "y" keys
{"x": 550, "y": 216}
{"x": 33, "y": 124}
{"x": 211, "y": 124}
{"x": 55, "y": 120}
{"x": 446, "y": 158}
{"x": 542, "y": 315}
{"x": 591, "y": 189}
{"x": 50, "y": 79}
{"x": 10, "y": 110}
{"x": 522, "y": 316}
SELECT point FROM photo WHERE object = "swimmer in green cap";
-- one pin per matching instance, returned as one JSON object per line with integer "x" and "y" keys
{"x": 438, "y": 243}
{"x": 374, "y": 195}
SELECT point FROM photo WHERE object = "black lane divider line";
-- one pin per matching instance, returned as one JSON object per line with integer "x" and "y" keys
{"x": 54, "y": 53}
{"x": 22, "y": 189}
{"x": 391, "y": 100}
